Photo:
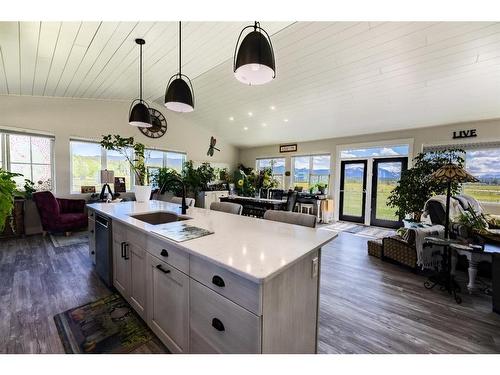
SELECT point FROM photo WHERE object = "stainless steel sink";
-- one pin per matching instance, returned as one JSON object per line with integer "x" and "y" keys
{"x": 159, "y": 217}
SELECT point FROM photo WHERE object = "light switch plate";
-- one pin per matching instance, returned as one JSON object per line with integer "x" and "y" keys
{"x": 315, "y": 266}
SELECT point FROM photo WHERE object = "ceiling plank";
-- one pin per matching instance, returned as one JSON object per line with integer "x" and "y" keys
{"x": 9, "y": 41}
{"x": 49, "y": 35}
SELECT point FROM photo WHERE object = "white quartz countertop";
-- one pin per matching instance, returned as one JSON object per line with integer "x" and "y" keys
{"x": 256, "y": 249}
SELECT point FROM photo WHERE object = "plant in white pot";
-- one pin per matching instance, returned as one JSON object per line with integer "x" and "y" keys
{"x": 122, "y": 145}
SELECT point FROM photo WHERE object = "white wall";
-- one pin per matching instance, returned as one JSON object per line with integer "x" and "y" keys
{"x": 487, "y": 130}
{"x": 67, "y": 118}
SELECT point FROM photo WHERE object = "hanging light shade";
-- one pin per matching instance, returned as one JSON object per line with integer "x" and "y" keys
{"x": 179, "y": 96}
{"x": 253, "y": 62}
{"x": 139, "y": 110}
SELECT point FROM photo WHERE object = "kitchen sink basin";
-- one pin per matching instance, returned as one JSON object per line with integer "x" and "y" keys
{"x": 160, "y": 217}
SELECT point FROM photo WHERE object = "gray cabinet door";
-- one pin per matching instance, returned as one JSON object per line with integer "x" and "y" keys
{"x": 121, "y": 267}
{"x": 168, "y": 304}
{"x": 137, "y": 288}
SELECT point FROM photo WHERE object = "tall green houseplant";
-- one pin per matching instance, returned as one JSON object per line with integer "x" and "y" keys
{"x": 415, "y": 186}
{"x": 122, "y": 145}
{"x": 7, "y": 192}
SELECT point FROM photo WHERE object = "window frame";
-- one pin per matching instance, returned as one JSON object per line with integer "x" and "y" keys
{"x": 104, "y": 160}
{"x": 257, "y": 168}
{"x": 6, "y": 162}
{"x": 311, "y": 157}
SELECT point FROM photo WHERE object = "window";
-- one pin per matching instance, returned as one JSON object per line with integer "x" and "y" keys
{"x": 310, "y": 170}
{"x": 159, "y": 158}
{"x": 484, "y": 164}
{"x": 89, "y": 158}
{"x": 401, "y": 150}
{"x": 86, "y": 163}
{"x": 29, "y": 155}
{"x": 118, "y": 163}
{"x": 278, "y": 168}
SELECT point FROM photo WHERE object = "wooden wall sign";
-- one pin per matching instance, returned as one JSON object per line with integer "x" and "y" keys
{"x": 465, "y": 134}
{"x": 288, "y": 148}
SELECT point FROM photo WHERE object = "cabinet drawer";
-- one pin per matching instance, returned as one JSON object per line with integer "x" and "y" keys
{"x": 238, "y": 289}
{"x": 218, "y": 325}
{"x": 168, "y": 253}
{"x": 125, "y": 233}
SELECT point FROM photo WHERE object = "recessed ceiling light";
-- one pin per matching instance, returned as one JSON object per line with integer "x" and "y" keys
{"x": 250, "y": 114}
{"x": 285, "y": 120}
{"x": 272, "y": 107}
{"x": 231, "y": 118}
{"x": 264, "y": 124}
{"x": 245, "y": 128}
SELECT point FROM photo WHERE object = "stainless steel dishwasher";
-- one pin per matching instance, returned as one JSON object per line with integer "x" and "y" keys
{"x": 104, "y": 249}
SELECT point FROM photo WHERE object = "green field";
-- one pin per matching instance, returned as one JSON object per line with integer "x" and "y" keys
{"x": 353, "y": 199}
{"x": 482, "y": 192}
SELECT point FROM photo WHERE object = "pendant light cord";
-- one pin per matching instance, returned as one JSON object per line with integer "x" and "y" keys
{"x": 180, "y": 46}
{"x": 140, "y": 72}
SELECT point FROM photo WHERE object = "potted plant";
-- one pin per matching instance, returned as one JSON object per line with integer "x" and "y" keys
{"x": 122, "y": 145}
{"x": 415, "y": 186}
{"x": 8, "y": 192}
{"x": 321, "y": 187}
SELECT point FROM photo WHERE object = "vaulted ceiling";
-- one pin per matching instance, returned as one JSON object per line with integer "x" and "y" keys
{"x": 333, "y": 78}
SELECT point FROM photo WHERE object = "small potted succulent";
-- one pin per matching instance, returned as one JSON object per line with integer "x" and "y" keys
{"x": 122, "y": 145}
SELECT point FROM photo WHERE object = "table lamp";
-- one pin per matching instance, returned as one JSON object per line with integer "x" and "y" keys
{"x": 107, "y": 177}
{"x": 450, "y": 173}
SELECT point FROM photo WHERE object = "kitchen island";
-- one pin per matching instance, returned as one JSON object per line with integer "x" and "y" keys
{"x": 250, "y": 286}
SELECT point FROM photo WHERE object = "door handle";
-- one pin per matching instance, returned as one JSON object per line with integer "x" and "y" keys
{"x": 217, "y": 324}
{"x": 126, "y": 251}
{"x": 160, "y": 267}
{"x": 219, "y": 281}
{"x": 123, "y": 249}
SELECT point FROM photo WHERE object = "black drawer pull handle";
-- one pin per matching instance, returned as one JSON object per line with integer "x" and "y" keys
{"x": 91, "y": 231}
{"x": 123, "y": 249}
{"x": 164, "y": 253}
{"x": 126, "y": 251}
{"x": 217, "y": 324}
{"x": 217, "y": 280}
{"x": 162, "y": 269}
{"x": 93, "y": 252}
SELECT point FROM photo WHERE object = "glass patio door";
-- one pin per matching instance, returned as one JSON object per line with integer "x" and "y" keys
{"x": 353, "y": 190}
{"x": 385, "y": 176}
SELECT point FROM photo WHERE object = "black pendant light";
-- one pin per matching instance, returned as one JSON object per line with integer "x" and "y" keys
{"x": 139, "y": 110}
{"x": 179, "y": 96}
{"x": 253, "y": 62}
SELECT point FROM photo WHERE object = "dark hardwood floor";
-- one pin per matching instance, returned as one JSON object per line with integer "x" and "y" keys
{"x": 367, "y": 306}
{"x": 371, "y": 306}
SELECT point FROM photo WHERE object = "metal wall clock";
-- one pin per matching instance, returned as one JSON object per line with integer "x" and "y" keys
{"x": 158, "y": 125}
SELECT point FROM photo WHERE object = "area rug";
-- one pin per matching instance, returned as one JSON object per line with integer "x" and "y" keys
{"x": 108, "y": 325}
{"x": 360, "y": 230}
{"x": 73, "y": 239}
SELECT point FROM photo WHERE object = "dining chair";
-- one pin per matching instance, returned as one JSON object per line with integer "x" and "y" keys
{"x": 178, "y": 200}
{"x": 228, "y": 207}
{"x": 296, "y": 218}
{"x": 291, "y": 200}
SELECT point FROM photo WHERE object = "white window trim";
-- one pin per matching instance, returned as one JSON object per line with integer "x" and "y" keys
{"x": 6, "y": 158}
{"x": 391, "y": 142}
{"x": 310, "y": 156}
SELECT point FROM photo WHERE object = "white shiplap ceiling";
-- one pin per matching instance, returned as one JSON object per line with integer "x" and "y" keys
{"x": 333, "y": 78}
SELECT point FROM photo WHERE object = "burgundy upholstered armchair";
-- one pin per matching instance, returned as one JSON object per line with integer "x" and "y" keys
{"x": 60, "y": 215}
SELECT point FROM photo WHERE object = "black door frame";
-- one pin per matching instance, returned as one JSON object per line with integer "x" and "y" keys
{"x": 354, "y": 219}
{"x": 373, "y": 213}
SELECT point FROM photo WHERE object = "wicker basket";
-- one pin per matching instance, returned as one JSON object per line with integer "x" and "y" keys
{"x": 375, "y": 248}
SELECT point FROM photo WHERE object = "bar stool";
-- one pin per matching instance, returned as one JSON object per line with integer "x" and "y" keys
{"x": 307, "y": 208}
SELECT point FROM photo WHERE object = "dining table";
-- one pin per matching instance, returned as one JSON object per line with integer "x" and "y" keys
{"x": 255, "y": 206}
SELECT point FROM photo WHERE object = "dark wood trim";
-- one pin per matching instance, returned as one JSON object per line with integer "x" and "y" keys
{"x": 355, "y": 219}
